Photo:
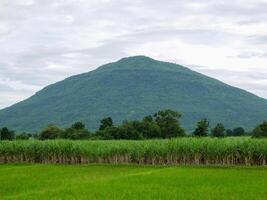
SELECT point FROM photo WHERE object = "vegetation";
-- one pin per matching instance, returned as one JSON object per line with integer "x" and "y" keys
{"x": 130, "y": 89}
{"x": 168, "y": 121}
{"x": 260, "y": 130}
{"x": 105, "y": 123}
{"x": 218, "y": 130}
{"x": 202, "y": 128}
{"x": 51, "y": 132}
{"x": 6, "y": 134}
{"x": 76, "y": 132}
{"x": 185, "y": 151}
{"x": 238, "y": 131}
{"x": 163, "y": 124}
{"x": 23, "y": 136}
{"x": 131, "y": 182}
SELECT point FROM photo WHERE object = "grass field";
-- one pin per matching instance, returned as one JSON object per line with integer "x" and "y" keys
{"x": 47, "y": 181}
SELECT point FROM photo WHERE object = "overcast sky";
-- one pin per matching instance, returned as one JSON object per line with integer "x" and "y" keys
{"x": 44, "y": 41}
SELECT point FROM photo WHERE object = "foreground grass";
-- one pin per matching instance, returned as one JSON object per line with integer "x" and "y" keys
{"x": 39, "y": 181}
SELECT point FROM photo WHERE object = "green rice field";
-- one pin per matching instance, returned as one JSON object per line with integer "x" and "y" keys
{"x": 95, "y": 181}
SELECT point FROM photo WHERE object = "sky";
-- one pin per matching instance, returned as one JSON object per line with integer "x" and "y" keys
{"x": 45, "y": 41}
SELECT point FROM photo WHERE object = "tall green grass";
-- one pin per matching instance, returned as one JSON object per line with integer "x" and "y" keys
{"x": 185, "y": 151}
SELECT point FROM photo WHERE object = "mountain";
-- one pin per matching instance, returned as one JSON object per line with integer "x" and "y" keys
{"x": 132, "y": 88}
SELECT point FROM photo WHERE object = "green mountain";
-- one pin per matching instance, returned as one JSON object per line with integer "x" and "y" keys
{"x": 132, "y": 88}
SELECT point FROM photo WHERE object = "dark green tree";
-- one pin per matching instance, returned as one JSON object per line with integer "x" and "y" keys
{"x": 75, "y": 134}
{"x": 218, "y": 130}
{"x": 260, "y": 130}
{"x": 238, "y": 131}
{"x": 168, "y": 121}
{"x": 202, "y": 128}
{"x": 146, "y": 129}
{"x": 136, "y": 130}
{"x": 78, "y": 126}
{"x": 35, "y": 136}
{"x": 109, "y": 133}
{"x": 106, "y": 122}
{"x": 6, "y": 134}
{"x": 151, "y": 130}
{"x": 77, "y": 131}
{"x": 148, "y": 119}
{"x": 229, "y": 132}
{"x": 50, "y": 132}
{"x": 131, "y": 130}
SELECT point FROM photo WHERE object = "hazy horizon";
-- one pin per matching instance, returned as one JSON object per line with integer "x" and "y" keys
{"x": 46, "y": 41}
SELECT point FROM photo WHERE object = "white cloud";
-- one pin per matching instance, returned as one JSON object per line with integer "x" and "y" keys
{"x": 18, "y": 85}
{"x": 10, "y": 97}
{"x": 19, "y": 2}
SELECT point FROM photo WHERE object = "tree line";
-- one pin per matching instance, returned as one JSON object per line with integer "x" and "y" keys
{"x": 163, "y": 124}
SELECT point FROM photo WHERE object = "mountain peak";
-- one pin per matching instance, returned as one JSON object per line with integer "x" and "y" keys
{"x": 137, "y": 58}
{"x": 141, "y": 62}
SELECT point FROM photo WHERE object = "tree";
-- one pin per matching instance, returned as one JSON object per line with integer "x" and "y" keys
{"x": 135, "y": 130}
{"x": 78, "y": 126}
{"x": 260, "y": 130}
{"x": 130, "y": 130}
{"x": 168, "y": 121}
{"x": 109, "y": 133}
{"x": 151, "y": 130}
{"x": 145, "y": 129}
{"x": 239, "y": 131}
{"x": 77, "y": 131}
{"x": 23, "y": 136}
{"x": 106, "y": 122}
{"x": 75, "y": 134}
{"x": 229, "y": 132}
{"x": 35, "y": 136}
{"x": 202, "y": 128}
{"x": 50, "y": 132}
{"x": 218, "y": 130}
{"x": 6, "y": 134}
{"x": 148, "y": 119}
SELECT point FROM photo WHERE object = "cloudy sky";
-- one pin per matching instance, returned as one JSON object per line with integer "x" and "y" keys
{"x": 44, "y": 41}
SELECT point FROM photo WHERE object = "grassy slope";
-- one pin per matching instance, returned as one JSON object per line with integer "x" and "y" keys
{"x": 130, "y": 182}
{"x": 132, "y": 88}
